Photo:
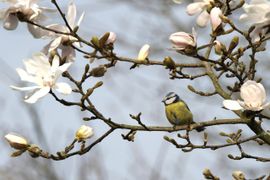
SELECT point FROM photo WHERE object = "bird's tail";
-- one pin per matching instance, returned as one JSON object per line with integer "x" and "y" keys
{"x": 199, "y": 129}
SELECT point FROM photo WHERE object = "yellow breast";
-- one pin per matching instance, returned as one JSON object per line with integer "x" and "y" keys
{"x": 178, "y": 113}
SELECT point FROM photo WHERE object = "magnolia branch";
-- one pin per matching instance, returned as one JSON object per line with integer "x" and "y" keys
{"x": 228, "y": 65}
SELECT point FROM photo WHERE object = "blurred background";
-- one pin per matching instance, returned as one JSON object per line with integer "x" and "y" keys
{"x": 52, "y": 126}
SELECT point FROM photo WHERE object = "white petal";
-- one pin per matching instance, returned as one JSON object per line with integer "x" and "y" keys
{"x": 252, "y": 92}
{"x": 143, "y": 53}
{"x": 76, "y": 44}
{"x": 71, "y": 14}
{"x": 55, "y": 63}
{"x": 181, "y": 40}
{"x": 41, "y": 59}
{"x": 36, "y": 31}
{"x": 63, "y": 88}
{"x": 25, "y": 76}
{"x": 111, "y": 39}
{"x": 194, "y": 8}
{"x": 55, "y": 44}
{"x": 262, "y": 92}
{"x": 39, "y": 64}
{"x": 64, "y": 67}
{"x": 251, "y": 106}
{"x": 35, "y": 13}
{"x": 80, "y": 19}
{"x": 232, "y": 105}
{"x": 30, "y": 66}
{"x": 57, "y": 27}
{"x": 38, "y": 94}
{"x": 68, "y": 52}
{"x": 215, "y": 18}
{"x": 244, "y": 18}
{"x": 25, "y": 88}
{"x": 50, "y": 10}
{"x": 11, "y": 22}
{"x": 203, "y": 19}
{"x": 45, "y": 49}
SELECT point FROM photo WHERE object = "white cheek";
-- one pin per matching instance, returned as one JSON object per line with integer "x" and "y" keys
{"x": 170, "y": 101}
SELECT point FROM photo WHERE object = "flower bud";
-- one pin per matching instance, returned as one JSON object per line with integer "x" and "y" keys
{"x": 183, "y": 40}
{"x": 233, "y": 44}
{"x": 98, "y": 71}
{"x": 238, "y": 175}
{"x": 111, "y": 39}
{"x": 169, "y": 63}
{"x": 207, "y": 172}
{"x": 144, "y": 51}
{"x": 219, "y": 47}
{"x": 84, "y": 132}
{"x": 16, "y": 141}
{"x": 34, "y": 151}
{"x": 17, "y": 153}
{"x": 216, "y": 21}
{"x": 95, "y": 41}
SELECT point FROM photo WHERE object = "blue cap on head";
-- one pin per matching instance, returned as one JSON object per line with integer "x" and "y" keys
{"x": 171, "y": 97}
{"x": 171, "y": 94}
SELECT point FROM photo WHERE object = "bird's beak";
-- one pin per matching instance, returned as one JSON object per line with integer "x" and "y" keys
{"x": 163, "y": 101}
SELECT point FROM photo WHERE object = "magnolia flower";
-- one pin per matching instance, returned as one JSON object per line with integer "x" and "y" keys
{"x": 182, "y": 40}
{"x": 111, "y": 39}
{"x": 84, "y": 132}
{"x": 200, "y": 6}
{"x": 253, "y": 95}
{"x": 215, "y": 18}
{"x": 16, "y": 141}
{"x": 144, "y": 52}
{"x": 238, "y": 175}
{"x": 257, "y": 13}
{"x": 40, "y": 72}
{"x": 62, "y": 41}
{"x": 23, "y": 9}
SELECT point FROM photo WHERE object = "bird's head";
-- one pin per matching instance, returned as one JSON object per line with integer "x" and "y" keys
{"x": 170, "y": 98}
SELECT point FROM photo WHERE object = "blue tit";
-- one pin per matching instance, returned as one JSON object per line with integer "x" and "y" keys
{"x": 177, "y": 111}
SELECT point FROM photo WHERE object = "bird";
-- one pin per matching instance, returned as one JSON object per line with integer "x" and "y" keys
{"x": 177, "y": 111}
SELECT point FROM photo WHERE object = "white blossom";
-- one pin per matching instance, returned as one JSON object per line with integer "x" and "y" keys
{"x": 200, "y": 6}
{"x": 238, "y": 175}
{"x": 182, "y": 40}
{"x": 257, "y": 13}
{"x": 253, "y": 95}
{"x": 84, "y": 132}
{"x": 16, "y": 141}
{"x": 26, "y": 9}
{"x": 44, "y": 75}
{"x": 215, "y": 18}
{"x": 62, "y": 41}
{"x": 111, "y": 39}
{"x": 144, "y": 52}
